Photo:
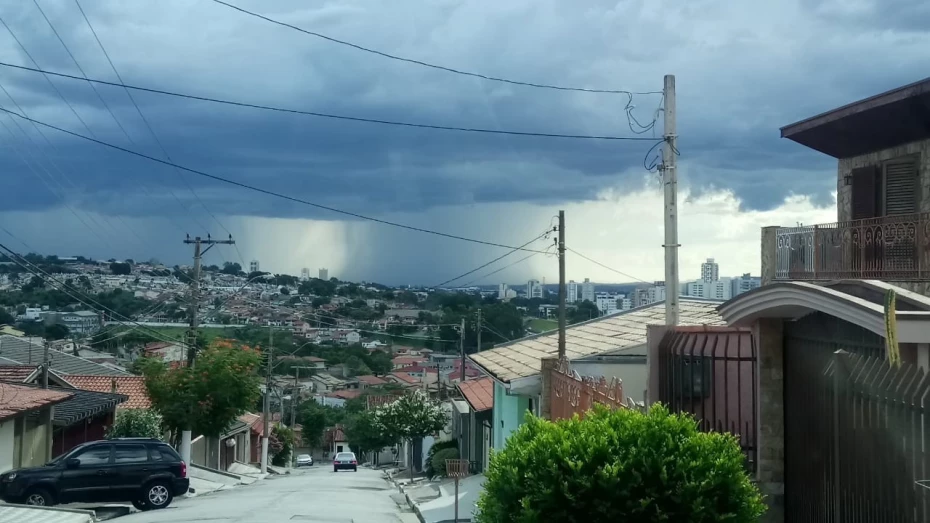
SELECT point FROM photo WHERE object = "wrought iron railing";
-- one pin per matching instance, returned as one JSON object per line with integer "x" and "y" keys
{"x": 885, "y": 248}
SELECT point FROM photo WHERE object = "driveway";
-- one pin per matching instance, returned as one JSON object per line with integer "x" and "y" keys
{"x": 314, "y": 494}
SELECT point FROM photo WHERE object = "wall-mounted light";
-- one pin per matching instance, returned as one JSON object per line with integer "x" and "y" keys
{"x": 847, "y": 180}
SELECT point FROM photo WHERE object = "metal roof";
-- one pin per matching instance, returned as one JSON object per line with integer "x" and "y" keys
{"x": 84, "y": 404}
{"x": 28, "y": 353}
{"x": 604, "y": 335}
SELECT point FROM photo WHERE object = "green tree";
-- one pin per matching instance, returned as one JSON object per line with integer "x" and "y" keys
{"x": 379, "y": 362}
{"x": 84, "y": 281}
{"x": 120, "y": 268}
{"x": 231, "y": 268}
{"x": 619, "y": 465}
{"x": 287, "y": 440}
{"x": 411, "y": 417}
{"x": 206, "y": 398}
{"x": 285, "y": 291}
{"x": 56, "y": 331}
{"x": 6, "y": 318}
{"x": 365, "y": 435}
{"x": 314, "y": 418}
{"x": 137, "y": 423}
{"x": 583, "y": 311}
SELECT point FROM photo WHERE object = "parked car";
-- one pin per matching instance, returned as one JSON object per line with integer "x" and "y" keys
{"x": 304, "y": 460}
{"x": 144, "y": 471}
{"x": 345, "y": 461}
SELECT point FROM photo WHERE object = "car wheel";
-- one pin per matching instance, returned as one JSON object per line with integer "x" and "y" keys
{"x": 140, "y": 504}
{"x": 39, "y": 497}
{"x": 157, "y": 495}
{"x": 355, "y": 470}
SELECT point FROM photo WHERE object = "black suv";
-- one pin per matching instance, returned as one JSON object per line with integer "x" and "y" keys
{"x": 147, "y": 472}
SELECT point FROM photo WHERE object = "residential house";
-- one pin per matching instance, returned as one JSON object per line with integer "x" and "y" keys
{"x": 133, "y": 387}
{"x": 26, "y": 425}
{"x": 515, "y": 366}
{"x": 402, "y": 362}
{"x": 472, "y": 421}
{"x": 347, "y": 337}
{"x": 86, "y": 416}
{"x": 370, "y": 381}
{"x": 818, "y": 321}
{"x": 404, "y": 378}
{"x": 27, "y": 351}
{"x": 336, "y": 441}
{"x": 235, "y": 444}
{"x": 172, "y": 353}
{"x": 77, "y": 322}
{"x": 327, "y": 383}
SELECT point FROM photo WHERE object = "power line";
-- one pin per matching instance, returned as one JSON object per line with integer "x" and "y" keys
{"x": 269, "y": 192}
{"x": 427, "y": 64}
{"x": 492, "y": 273}
{"x": 476, "y": 269}
{"x": 608, "y": 268}
{"x": 486, "y": 326}
{"x": 336, "y": 116}
{"x": 144, "y": 119}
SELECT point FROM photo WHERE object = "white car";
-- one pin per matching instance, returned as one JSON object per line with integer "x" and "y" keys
{"x": 304, "y": 460}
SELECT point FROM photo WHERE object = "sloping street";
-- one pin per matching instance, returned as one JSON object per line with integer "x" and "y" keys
{"x": 313, "y": 494}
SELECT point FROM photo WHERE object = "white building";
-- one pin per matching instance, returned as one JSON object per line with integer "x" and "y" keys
{"x": 304, "y": 274}
{"x": 511, "y": 294}
{"x": 533, "y": 289}
{"x": 33, "y": 313}
{"x": 587, "y": 291}
{"x": 714, "y": 290}
{"x": 710, "y": 271}
{"x": 626, "y": 304}
{"x": 323, "y": 274}
{"x": 502, "y": 291}
{"x": 571, "y": 292}
{"x": 254, "y": 266}
{"x": 744, "y": 283}
{"x": 607, "y": 303}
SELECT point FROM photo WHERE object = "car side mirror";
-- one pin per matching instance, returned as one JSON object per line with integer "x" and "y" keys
{"x": 72, "y": 463}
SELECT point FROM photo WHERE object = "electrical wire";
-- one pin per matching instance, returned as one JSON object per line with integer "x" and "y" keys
{"x": 608, "y": 268}
{"x": 333, "y": 116}
{"x": 486, "y": 326}
{"x": 427, "y": 64}
{"x": 476, "y": 269}
{"x": 506, "y": 266}
{"x": 144, "y": 119}
{"x": 269, "y": 192}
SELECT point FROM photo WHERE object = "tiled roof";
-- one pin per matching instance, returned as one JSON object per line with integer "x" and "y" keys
{"x": 84, "y": 404}
{"x": 626, "y": 329}
{"x": 254, "y": 421}
{"x": 20, "y": 399}
{"x": 405, "y": 377}
{"x": 17, "y": 373}
{"x": 27, "y": 353}
{"x": 408, "y": 360}
{"x": 131, "y": 386}
{"x": 344, "y": 394}
{"x": 371, "y": 380}
{"x": 478, "y": 393}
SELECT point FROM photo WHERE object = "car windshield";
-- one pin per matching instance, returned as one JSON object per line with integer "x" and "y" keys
{"x": 345, "y": 456}
{"x": 303, "y": 456}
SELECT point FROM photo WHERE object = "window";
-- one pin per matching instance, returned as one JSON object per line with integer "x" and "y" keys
{"x": 130, "y": 454}
{"x": 95, "y": 456}
{"x": 885, "y": 189}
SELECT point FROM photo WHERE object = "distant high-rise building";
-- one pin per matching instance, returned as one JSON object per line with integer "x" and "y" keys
{"x": 607, "y": 303}
{"x": 254, "y": 266}
{"x": 744, "y": 283}
{"x": 571, "y": 292}
{"x": 710, "y": 271}
{"x": 587, "y": 291}
{"x": 534, "y": 289}
{"x": 305, "y": 274}
{"x": 502, "y": 291}
{"x": 323, "y": 274}
{"x": 714, "y": 290}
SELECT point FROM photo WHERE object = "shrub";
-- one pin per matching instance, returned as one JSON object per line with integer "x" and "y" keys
{"x": 619, "y": 465}
{"x": 137, "y": 423}
{"x": 286, "y": 440}
{"x": 430, "y": 471}
{"x": 438, "y": 462}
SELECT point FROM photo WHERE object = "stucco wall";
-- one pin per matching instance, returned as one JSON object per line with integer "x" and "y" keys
{"x": 846, "y": 165}
{"x": 6, "y": 445}
{"x": 508, "y": 414}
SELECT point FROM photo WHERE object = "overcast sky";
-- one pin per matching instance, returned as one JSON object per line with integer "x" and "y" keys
{"x": 743, "y": 70}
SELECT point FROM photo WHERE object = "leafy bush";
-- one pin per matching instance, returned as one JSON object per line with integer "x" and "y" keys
{"x": 430, "y": 471}
{"x": 619, "y": 465}
{"x": 137, "y": 423}
{"x": 287, "y": 439}
{"x": 438, "y": 461}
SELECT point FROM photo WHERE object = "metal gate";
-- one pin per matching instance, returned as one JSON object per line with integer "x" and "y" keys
{"x": 855, "y": 435}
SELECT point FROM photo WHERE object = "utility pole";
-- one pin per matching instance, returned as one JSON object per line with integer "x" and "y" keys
{"x": 195, "y": 290}
{"x": 561, "y": 285}
{"x": 266, "y": 406}
{"x": 670, "y": 181}
{"x": 462, "y": 346}
{"x": 45, "y": 365}
{"x": 194, "y": 310}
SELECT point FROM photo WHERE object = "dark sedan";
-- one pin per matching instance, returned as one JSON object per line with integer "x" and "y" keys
{"x": 345, "y": 461}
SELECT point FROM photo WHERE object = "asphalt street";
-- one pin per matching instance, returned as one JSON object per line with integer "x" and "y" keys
{"x": 314, "y": 495}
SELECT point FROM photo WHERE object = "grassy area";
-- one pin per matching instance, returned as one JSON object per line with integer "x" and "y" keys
{"x": 541, "y": 325}
{"x": 178, "y": 333}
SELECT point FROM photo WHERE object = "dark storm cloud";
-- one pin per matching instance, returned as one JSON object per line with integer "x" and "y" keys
{"x": 742, "y": 73}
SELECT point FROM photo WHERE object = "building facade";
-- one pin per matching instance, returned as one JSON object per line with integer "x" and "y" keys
{"x": 715, "y": 290}
{"x": 587, "y": 290}
{"x": 571, "y": 292}
{"x": 254, "y": 266}
{"x": 304, "y": 274}
{"x": 744, "y": 283}
{"x": 710, "y": 271}
{"x": 533, "y": 289}
{"x": 323, "y": 274}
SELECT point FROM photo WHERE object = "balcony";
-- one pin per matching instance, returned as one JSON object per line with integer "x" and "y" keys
{"x": 889, "y": 248}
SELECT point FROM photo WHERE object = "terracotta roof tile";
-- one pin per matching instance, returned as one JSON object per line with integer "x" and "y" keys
{"x": 405, "y": 377}
{"x": 17, "y": 373}
{"x": 344, "y": 394}
{"x": 132, "y": 386}
{"x": 371, "y": 380}
{"x": 478, "y": 393}
{"x": 20, "y": 399}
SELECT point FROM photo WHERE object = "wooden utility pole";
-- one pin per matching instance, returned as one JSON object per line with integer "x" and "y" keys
{"x": 561, "y": 285}
{"x": 670, "y": 181}
{"x": 191, "y": 348}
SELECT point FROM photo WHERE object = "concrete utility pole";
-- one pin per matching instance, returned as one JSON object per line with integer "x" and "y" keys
{"x": 191, "y": 353}
{"x": 266, "y": 406}
{"x": 45, "y": 365}
{"x": 462, "y": 346}
{"x": 562, "y": 292}
{"x": 670, "y": 180}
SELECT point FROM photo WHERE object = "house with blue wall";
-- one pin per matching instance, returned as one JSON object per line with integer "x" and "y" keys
{"x": 609, "y": 346}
